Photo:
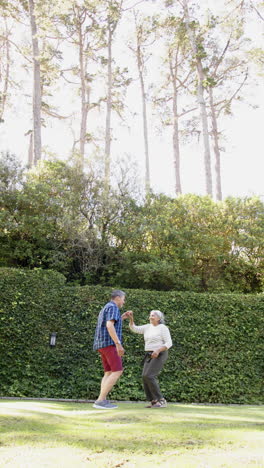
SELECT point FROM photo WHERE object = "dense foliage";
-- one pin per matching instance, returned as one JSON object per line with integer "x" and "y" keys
{"x": 217, "y": 354}
{"x": 58, "y": 218}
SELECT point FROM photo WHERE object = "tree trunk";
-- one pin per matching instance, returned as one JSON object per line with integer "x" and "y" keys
{"x": 201, "y": 101}
{"x": 30, "y": 150}
{"x": 114, "y": 9}
{"x": 175, "y": 138}
{"x": 36, "y": 85}
{"x": 145, "y": 123}
{"x": 85, "y": 95}
{"x": 5, "y": 77}
{"x": 108, "y": 108}
{"x": 216, "y": 147}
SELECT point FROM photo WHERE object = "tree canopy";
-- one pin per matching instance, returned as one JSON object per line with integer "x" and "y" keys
{"x": 55, "y": 216}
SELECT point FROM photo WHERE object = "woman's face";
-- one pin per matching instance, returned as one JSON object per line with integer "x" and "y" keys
{"x": 154, "y": 319}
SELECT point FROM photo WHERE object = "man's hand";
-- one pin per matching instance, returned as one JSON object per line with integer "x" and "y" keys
{"x": 155, "y": 354}
{"x": 120, "y": 350}
{"x": 124, "y": 315}
{"x": 127, "y": 314}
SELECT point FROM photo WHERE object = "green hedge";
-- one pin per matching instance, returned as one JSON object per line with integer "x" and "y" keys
{"x": 218, "y": 341}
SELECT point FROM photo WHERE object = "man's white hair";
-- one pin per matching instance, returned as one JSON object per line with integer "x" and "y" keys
{"x": 117, "y": 293}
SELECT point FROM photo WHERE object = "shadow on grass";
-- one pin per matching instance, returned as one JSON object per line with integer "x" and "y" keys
{"x": 123, "y": 430}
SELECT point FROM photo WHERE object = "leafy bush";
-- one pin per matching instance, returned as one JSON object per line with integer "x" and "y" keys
{"x": 56, "y": 217}
{"x": 218, "y": 341}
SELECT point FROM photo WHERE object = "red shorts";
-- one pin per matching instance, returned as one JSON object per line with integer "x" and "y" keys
{"x": 110, "y": 359}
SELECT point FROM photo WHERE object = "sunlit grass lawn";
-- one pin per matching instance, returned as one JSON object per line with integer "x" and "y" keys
{"x": 56, "y": 434}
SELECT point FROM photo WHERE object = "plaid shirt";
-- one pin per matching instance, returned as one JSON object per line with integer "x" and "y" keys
{"x": 101, "y": 337}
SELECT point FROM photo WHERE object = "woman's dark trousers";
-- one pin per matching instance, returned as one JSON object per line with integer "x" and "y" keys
{"x": 151, "y": 370}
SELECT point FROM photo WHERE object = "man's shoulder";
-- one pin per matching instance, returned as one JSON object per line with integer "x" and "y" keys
{"x": 110, "y": 304}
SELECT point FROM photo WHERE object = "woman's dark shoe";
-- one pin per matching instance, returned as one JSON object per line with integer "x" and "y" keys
{"x": 160, "y": 404}
{"x": 151, "y": 404}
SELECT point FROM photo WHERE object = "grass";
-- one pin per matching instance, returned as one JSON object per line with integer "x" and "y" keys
{"x": 36, "y": 434}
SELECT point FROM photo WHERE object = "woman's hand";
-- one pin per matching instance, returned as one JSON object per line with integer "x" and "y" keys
{"x": 130, "y": 315}
{"x": 156, "y": 353}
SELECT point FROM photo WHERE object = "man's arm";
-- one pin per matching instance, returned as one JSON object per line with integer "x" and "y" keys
{"x": 112, "y": 332}
{"x": 125, "y": 315}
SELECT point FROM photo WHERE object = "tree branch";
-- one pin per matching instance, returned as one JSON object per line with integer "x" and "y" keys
{"x": 233, "y": 95}
{"x": 133, "y": 6}
{"x": 16, "y": 46}
{"x": 221, "y": 56}
{"x": 258, "y": 13}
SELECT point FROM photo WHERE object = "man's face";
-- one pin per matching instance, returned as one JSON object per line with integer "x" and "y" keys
{"x": 120, "y": 300}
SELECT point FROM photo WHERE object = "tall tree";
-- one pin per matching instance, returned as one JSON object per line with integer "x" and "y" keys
{"x": 114, "y": 10}
{"x": 177, "y": 89}
{"x": 144, "y": 38}
{"x": 227, "y": 71}
{"x": 117, "y": 79}
{"x": 90, "y": 27}
{"x": 222, "y": 43}
{"x": 4, "y": 66}
{"x": 191, "y": 27}
{"x": 81, "y": 15}
{"x": 37, "y": 94}
{"x": 84, "y": 33}
{"x": 37, "y": 21}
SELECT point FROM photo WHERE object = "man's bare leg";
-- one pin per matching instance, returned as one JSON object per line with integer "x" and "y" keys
{"x": 108, "y": 381}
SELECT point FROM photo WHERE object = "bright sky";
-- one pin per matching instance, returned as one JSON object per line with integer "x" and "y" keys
{"x": 242, "y": 161}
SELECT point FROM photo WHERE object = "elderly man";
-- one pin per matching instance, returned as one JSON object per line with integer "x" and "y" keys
{"x": 108, "y": 342}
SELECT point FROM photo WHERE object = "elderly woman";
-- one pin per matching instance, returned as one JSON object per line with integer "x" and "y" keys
{"x": 157, "y": 342}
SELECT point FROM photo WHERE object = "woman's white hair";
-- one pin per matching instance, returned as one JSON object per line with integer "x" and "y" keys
{"x": 159, "y": 314}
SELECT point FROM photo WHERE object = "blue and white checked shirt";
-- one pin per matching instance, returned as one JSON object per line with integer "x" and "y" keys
{"x": 101, "y": 337}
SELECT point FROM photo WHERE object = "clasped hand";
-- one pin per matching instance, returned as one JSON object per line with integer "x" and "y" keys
{"x": 127, "y": 314}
